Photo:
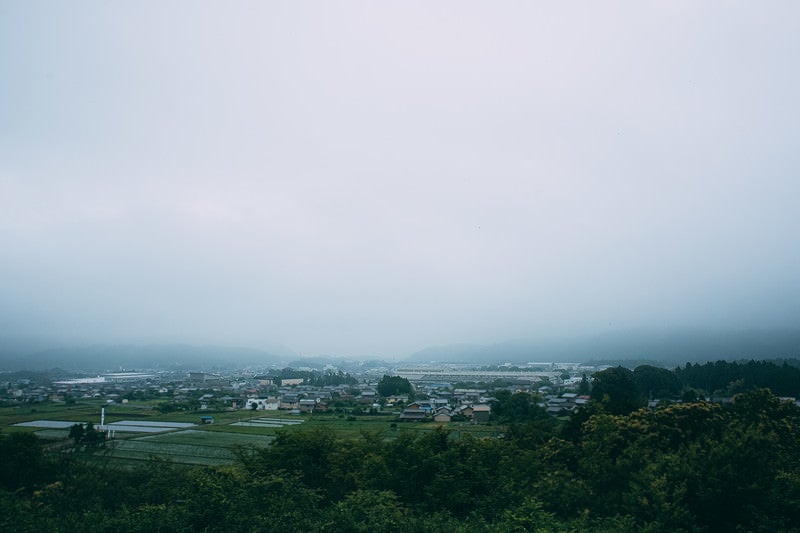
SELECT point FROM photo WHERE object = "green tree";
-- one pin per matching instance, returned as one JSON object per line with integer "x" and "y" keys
{"x": 615, "y": 391}
{"x": 583, "y": 387}
{"x": 530, "y": 516}
{"x": 367, "y": 511}
{"x": 93, "y": 438}
{"x": 305, "y": 454}
{"x": 23, "y": 463}
{"x": 515, "y": 408}
{"x": 76, "y": 433}
{"x": 395, "y": 385}
{"x": 654, "y": 382}
{"x": 86, "y": 435}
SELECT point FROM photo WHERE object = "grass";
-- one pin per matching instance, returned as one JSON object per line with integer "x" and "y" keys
{"x": 207, "y": 438}
{"x": 383, "y": 425}
{"x": 52, "y": 434}
{"x": 76, "y": 413}
{"x": 211, "y": 444}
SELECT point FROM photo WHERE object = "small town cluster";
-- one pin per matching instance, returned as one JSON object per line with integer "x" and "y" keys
{"x": 425, "y": 393}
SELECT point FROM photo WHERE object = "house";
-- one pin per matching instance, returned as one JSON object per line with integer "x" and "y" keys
{"x": 391, "y": 400}
{"x": 564, "y": 404}
{"x": 421, "y": 405}
{"x": 412, "y": 415}
{"x": 442, "y": 415}
{"x": 290, "y": 401}
{"x": 204, "y": 379}
{"x": 228, "y": 400}
{"x": 307, "y": 406}
{"x": 261, "y": 404}
{"x": 368, "y": 397}
{"x": 465, "y": 411}
{"x": 481, "y": 413}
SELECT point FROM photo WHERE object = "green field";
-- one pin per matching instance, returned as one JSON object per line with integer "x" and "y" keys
{"x": 186, "y": 447}
{"x": 209, "y": 444}
{"x": 76, "y": 413}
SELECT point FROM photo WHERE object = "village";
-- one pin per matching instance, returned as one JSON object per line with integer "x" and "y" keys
{"x": 437, "y": 393}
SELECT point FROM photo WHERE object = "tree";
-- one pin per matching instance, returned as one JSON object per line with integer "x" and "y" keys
{"x": 368, "y": 511}
{"x": 530, "y": 516}
{"x": 76, "y": 434}
{"x": 394, "y": 385}
{"x": 93, "y": 438}
{"x": 87, "y": 436}
{"x": 654, "y": 382}
{"x": 23, "y": 461}
{"x": 305, "y": 454}
{"x": 517, "y": 407}
{"x": 583, "y": 387}
{"x": 615, "y": 390}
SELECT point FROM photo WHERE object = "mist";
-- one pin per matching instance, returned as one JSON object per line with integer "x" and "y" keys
{"x": 370, "y": 179}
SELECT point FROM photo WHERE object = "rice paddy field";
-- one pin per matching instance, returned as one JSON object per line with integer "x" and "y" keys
{"x": 142, "y": 435}
{"x": 190, "y": 447}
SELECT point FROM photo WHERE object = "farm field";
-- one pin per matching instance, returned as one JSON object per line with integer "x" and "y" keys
{"x": 269, "y": 422}
{"x": 190, "y": 447}
{"x": 181, "y": 438}
{"x": 72, "y": 413}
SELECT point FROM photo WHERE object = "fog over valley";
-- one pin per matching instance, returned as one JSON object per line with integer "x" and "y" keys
{"x": 371, "y": 180}
{"x": 365, "y": 266}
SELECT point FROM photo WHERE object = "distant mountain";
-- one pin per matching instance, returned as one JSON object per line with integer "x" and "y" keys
{"x": 132, "y": 357}
{"x": 347, "y": 364}
{"x": 669, "y": 347}
{"x": 317, "y": 362}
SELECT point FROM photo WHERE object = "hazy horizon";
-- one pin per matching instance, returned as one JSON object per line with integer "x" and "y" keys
{"x": 359, "y": 178}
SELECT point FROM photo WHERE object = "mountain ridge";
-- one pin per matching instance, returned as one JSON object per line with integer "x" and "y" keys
{"x": 676, "y": 346}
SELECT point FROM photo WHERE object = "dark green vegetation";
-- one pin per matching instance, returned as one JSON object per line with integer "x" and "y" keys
{"x": 783, "y": 379}
{"x": 686, "y": 467}
{"x": 98, "y": 357}
{"x": 672, "y": 347}
{"x": 316, "y": 378}
{"x": 200, "y": 445}
{"x": 623, "y": 390}
{"x": 395, "y": 385}
{"x": 611, "y": 466}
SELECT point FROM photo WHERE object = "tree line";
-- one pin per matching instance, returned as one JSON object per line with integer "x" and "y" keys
{"x": 695, "y": 466}
{"x": 718, "y": 379}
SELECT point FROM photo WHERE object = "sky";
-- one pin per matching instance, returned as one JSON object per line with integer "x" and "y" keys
{"x": 371, "y": 178}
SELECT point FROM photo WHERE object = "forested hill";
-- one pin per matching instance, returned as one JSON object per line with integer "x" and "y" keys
{"x": 102, "y": 357}
{"x": 668, "y": 347}
{"x": 734, "y": 377}
{"x": 693, "y": 467}
{"x": 719, "y": 379}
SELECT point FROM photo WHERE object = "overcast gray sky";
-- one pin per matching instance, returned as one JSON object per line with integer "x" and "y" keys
{"x": 374, "y": 177}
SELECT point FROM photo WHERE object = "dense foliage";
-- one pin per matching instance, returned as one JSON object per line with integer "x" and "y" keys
{"x": 630, "y": 389}
{"x": 700, "y": 466}
{"x": 330, "y": 377}
{"x": 616, "y": 390}
{"x": 317, "y": 378}
{"x": 723, "y": 377}
{"x": 395, "y": 385}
